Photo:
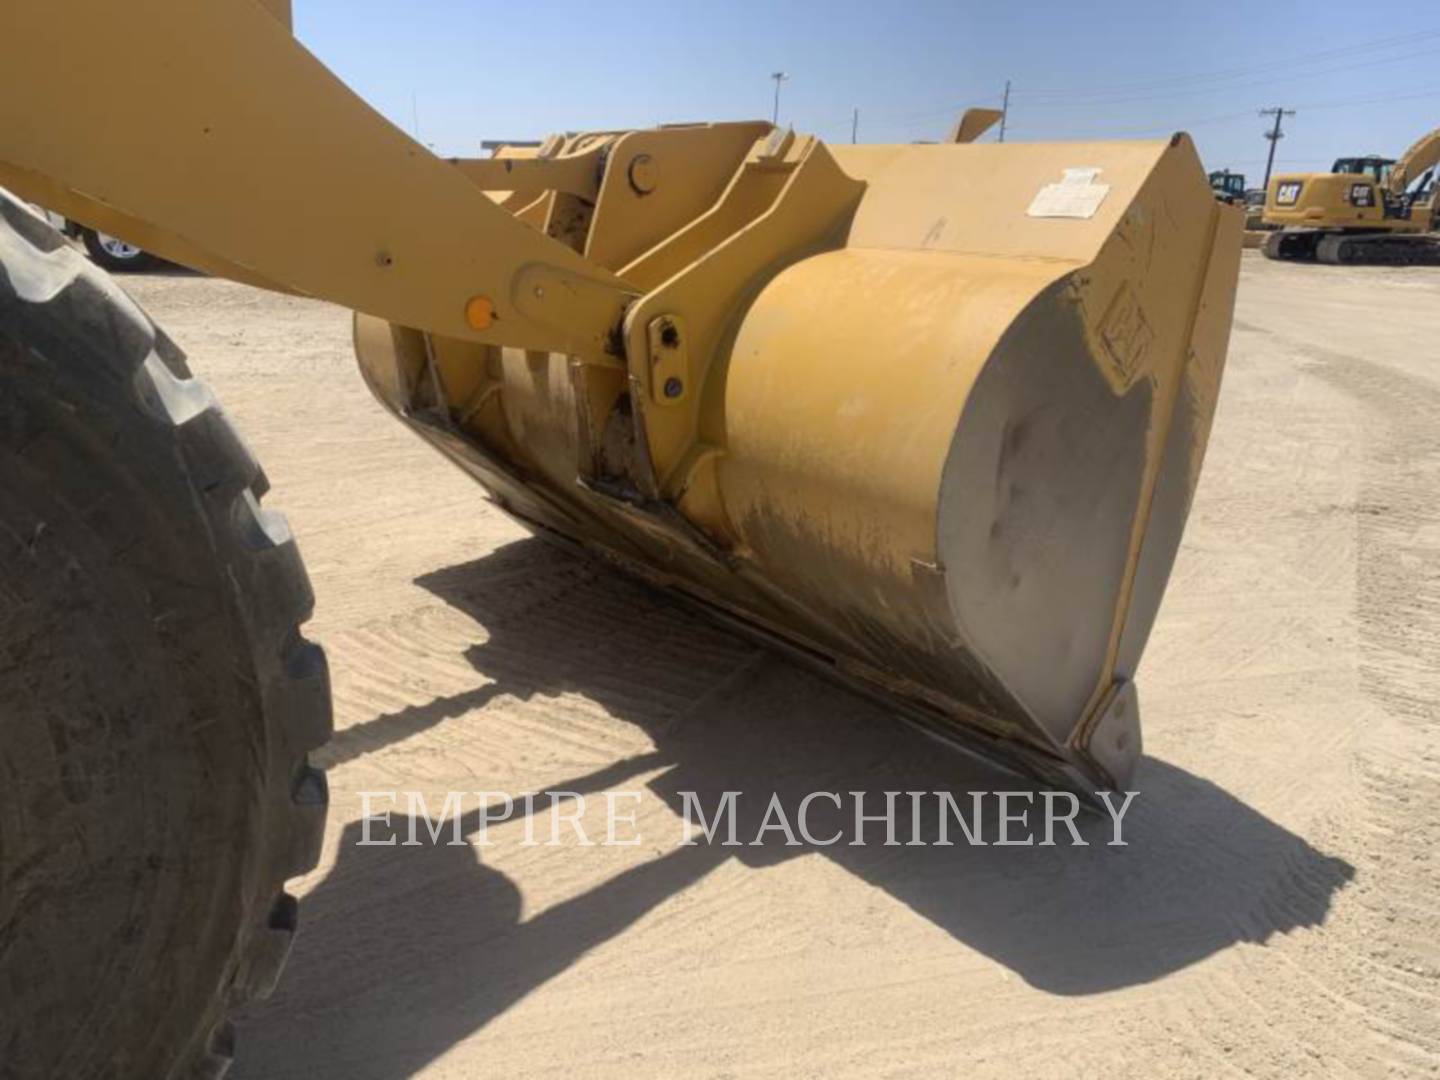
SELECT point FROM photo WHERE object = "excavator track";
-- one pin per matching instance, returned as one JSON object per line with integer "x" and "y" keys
{"x": 1353, "y": 249}
{"x": 1292, "y": 245}
{"x": 1379, "y": 249}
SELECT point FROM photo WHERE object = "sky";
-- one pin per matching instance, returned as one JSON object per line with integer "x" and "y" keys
{"x": 455, "y": 72}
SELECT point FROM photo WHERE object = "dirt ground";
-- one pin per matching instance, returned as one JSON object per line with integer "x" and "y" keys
{"x": 1275, "y": 914}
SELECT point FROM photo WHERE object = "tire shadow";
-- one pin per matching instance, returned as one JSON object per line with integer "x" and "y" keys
{"x": 373, "y": 992}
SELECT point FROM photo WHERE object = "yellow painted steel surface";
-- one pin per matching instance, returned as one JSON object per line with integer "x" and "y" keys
{"x": 973, "y": 123}
{"x": 949, "y": 447}
{"x": 1423, "y": 154}
{"x": 1357, "y": 201}
{"x": 929, "y": 415}
{"x": 1331, "y": 201}
{"x": 219, "y": 108}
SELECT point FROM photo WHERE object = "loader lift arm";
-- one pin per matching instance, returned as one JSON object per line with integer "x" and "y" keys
{"x": 320, "y": 190}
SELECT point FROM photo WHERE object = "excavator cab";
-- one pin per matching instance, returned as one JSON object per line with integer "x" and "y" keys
{"x": 1377, "y": 168}
{"x": 1377, "y": 171}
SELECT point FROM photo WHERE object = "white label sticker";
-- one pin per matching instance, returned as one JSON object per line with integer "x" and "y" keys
{"x": 1077, "y": 195}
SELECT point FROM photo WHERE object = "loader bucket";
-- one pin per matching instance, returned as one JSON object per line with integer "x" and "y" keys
{"x": 929, "y": 416}
{"x": 947, "y": 452}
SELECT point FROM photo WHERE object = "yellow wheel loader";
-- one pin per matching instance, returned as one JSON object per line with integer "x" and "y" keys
{"x": 1365, "y": 210}
{"x": 928, "y": 417}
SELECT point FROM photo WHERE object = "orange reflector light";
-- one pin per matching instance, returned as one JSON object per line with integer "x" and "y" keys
{"x": 479, "y": 312}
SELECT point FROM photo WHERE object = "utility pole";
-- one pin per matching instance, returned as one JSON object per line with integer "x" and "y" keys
{"x": 855, "y": 124}
{"x": 1274, "y": 135}
{"x": 779, "y": 77}
{"x": 1004, "y": 110}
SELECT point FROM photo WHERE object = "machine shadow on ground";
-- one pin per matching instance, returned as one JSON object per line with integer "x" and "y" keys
{"x": 374, "y": 991}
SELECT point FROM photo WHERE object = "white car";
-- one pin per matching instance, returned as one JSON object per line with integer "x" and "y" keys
{"x": 105, "y": 250}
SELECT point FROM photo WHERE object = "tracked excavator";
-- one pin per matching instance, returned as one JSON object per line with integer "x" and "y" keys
{"x": 927, "y": 417}
{"x": 1365, "y": 210}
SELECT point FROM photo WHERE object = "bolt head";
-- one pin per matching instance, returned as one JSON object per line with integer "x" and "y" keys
{"x": 674, "y": 387}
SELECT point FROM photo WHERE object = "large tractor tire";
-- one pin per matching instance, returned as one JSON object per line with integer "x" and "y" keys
{"x": 157, "y": 700}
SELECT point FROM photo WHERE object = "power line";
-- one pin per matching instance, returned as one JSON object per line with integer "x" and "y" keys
{"x": 1350, "y": 103}
{"x": 912, "y": 118}
{"x": 1268, "y": 65}
{"x": 905, "y": 115}
{"x": 1429, "y": 91}
{"x": 1141, "y": 133}
{"x": 1212, "y": 90}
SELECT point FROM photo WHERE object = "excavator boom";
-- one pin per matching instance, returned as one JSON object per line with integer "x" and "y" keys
{"x": 1423, "y": 155}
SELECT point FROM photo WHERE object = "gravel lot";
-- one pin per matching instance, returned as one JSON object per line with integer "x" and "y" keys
{"x": 1276, "y": 912}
